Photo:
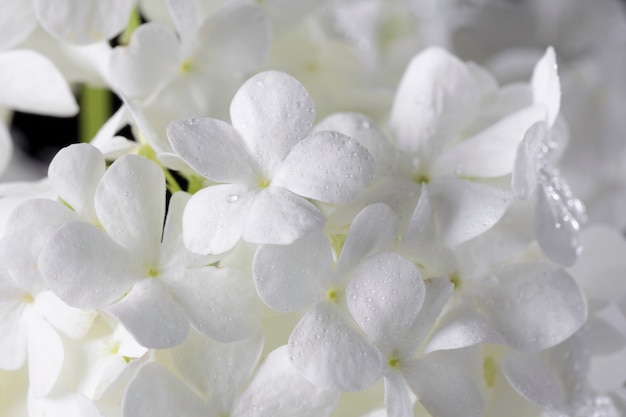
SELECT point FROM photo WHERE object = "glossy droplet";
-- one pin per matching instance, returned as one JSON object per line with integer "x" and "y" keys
{"x": 232, "y": 198}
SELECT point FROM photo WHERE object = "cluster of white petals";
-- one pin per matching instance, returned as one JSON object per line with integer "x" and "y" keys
{"x": 337, "y": 208}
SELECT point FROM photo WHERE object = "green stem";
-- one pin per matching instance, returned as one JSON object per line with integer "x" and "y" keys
{"x": 133, "y": 23}
{"x": 95, "y": 110}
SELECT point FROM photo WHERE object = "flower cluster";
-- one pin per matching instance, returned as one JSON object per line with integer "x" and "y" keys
{"x": 322, "y": 210}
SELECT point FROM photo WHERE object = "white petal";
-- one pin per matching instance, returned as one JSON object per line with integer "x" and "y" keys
{"x": 534, "y": 306}
{"x": 397, "y": 400}
{"x": 214, "y": 149}
{"x": 151, "y": 58}
{"x": 75, "y": 173}
{"x": 490, "y": 153}
{"x": 87, "y": 269}
{"x": 277, "y": 389}
{"x": 556, "y": 231}
{"x": 187, "y": 17}
{"x": 73, "y": 322}
{"x": 327, "y": 166}
{"x": 13, "y": 330}
{"x": 31, "y": 83}
{"x": 536, "y": 382}
{"x": 279, "y": 216}
{"x": 83, "y": 22}
{"x": 45, "y": 355}
{"x": 151, "y": 316}
{"x": 546, "y": 85}
{"x": 421, "y": 229}
{"x": 437, "y": 293}
{"x": 443, "y": 389}
{"x": 332, "y": 354}
{"x": 130, "y": 203}
{"x": 17, "y": 22}
{"x": 273, "y": 111}
{"x": 529, "y": 161}
{"x": 461, "y": 327}
{"x": 155, "y": 392}
{"x": 6, "y": 147}
{"x": 236, "y": 39}
{"x": 107, "y": 142}
{"x": 220, "y": 303}
{"x": 228, "y": 364}
{"x": 465, "y": 209}
{"x": 215, "y": 218}
{"x": 435, "y": 99}
{"x": 373, "y": 230}
{"x": 384, "y": 296}
{"x": 292, "y": 277}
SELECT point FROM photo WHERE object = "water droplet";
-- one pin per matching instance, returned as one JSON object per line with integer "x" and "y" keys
{"x": 232, "y": 198}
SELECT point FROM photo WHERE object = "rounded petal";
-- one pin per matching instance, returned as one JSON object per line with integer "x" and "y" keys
{"x": 72, "y": 322}
{"x": 130, "y": 203}
{"x": 278, "y": 390}
{"x": 397, "y": 400}
{"x": 31, "y": 83}
{"x": 214, "y": 149}
{"x": 85, "y": 268}
{"x": 273, "y": 111}
{"x": 443, "y": 389}
{"x": 292, "y": 277}
{"x": 151, "y": 316}
{"x": 215, "y": 218}
{"x": 465, "y": 209}
{"x": 331, "y": 353}
{"x": 534, "y": 306}
{"x": 435, "y": 98}
{"x": 373, "y": 230}
{"x": 220, "y": 303}
{"x": 83, "y": 22}
{"x": 13, "y": 330}
{"x": 155, "y": 392}
{"x": 151, "y": 58}
{"x": 384, "y": 296}
{"x": 280, "y": 217}
{"x": 327, "y": 166}
{"x": 75, "y": 173}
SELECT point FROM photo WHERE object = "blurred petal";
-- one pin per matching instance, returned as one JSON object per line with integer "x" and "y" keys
{"x": 155, "y": 392}
{"x": 327, "y": 166}
{"x": 546, "y": 85}
{"x": 151, "y": 58}
{"x": 31, "y": 83}
{"x": 397, "y": 400}
{"x": 83, "y": 22}
{"x": 6, "y": 147}
{"x": 45, "y": 355}
{"x": 17, "y": 22}
{"x": 531, "y": 157}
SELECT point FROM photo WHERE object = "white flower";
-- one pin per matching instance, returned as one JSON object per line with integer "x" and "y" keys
{"x": 267, "y": 166}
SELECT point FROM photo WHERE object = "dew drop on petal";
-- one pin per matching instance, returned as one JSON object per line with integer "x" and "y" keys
{"x": 232, "y": 198}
